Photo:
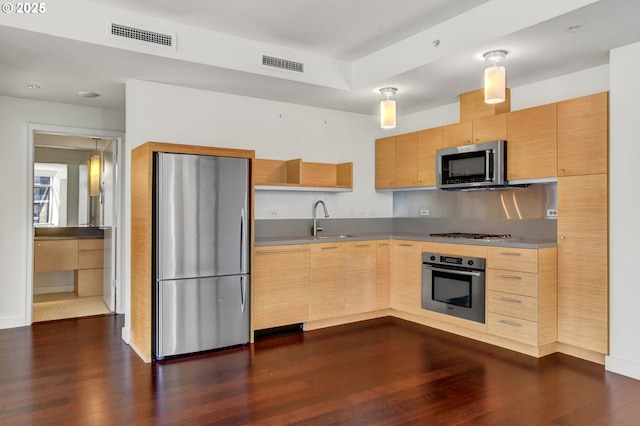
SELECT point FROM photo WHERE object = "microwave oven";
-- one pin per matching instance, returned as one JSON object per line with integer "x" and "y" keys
{"x": 472, "y": 166}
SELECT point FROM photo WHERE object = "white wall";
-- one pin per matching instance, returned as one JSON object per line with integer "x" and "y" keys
{"x": 624, "y": 202}
{"x": 15, "y": 214}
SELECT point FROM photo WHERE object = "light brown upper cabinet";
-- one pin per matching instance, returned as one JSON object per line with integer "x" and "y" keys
{"x": 457, "y": 134}
{"x": 476, "y": 131}
{"x": 532, "y": 138}
{"x": 429, "y": 141}
{"x": 386, "y": 162}
{"x": 406, "y": 160}
{"x": 583, "y": 129}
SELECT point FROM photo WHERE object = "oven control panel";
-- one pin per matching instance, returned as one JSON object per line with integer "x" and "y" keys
{"x": 443, "y": 259}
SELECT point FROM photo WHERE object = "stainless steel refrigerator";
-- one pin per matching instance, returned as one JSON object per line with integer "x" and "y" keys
{"x": 201, "y": 253}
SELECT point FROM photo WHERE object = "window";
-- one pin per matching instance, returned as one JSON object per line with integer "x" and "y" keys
{"x": 42, "y": 202}
{"x": 49, "y": 194}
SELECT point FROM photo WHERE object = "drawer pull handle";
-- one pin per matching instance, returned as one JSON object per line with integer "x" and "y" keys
{"x": 507, "y": 299}
{"x": 509, "y": 253}
{"x": 512, "y": 324}
{"x": 406, "y": 245}
{"x": 282, "y": 251}
{"x": 329, "y": 248}
{"x": 510, "y": 277}
{"x": 383, "y": 244}
{"x": 362, "y": 245}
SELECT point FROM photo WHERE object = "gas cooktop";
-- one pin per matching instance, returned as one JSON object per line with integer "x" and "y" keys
{"x": 472, "y": 236}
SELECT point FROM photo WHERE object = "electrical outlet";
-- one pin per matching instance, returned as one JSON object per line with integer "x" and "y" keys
{"x": 552, "y": 213}
{"x": 272, "y": 213}
{"x": 424, "y": 212}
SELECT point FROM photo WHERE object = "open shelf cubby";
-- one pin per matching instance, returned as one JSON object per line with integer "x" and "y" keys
{"x": 296, "y": 173}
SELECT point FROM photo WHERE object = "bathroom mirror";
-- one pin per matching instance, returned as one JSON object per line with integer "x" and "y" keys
{"x": 62, "y": 196}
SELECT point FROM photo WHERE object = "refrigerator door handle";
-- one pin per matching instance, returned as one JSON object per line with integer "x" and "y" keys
{"x": 243, "y": 292}
{"x": 243, "y": 260}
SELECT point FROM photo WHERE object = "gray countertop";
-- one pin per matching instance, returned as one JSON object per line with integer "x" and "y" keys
{"x": 512, "y": 242}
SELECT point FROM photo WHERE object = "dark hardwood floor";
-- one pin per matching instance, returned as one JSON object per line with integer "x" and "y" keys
{"x": 378, "y": 372}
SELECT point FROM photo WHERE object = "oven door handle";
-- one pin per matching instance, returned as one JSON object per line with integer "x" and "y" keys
{"x": 453, "y": 271}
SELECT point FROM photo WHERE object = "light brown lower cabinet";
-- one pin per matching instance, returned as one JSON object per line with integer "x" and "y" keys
{"x": 406, "y": 270}
{"x": 583, "y": 286}
{"x": 280, "y": 286}
{"x": 55, "y": 255}
{"x": 522, "y": 294}
{"x": 89, "y": 277}
{"x": 328, "y": 262}
{"x": 382, "y": 273}
{"x": 361, "y": 293}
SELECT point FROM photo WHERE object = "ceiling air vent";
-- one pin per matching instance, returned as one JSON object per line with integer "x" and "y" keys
{"x": 142, "y": 35}
{"x": 282, "y": 64}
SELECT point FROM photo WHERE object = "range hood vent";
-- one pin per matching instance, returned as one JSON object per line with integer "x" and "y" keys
{"x": 281, "y": 64}
{"x": 145, "y": 36}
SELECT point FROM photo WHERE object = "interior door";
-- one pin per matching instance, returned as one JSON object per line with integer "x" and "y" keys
{"x": 108, "y": 204}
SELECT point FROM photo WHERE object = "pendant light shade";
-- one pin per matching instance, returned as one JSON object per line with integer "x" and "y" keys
{"x": 94, "y": 173}
{"x": 388, "y": 108}
{"x": 94, "y": 176}
{"x": 495, "y": 78}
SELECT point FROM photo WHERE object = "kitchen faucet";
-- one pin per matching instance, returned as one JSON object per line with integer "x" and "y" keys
{"x": 316, "y": 227}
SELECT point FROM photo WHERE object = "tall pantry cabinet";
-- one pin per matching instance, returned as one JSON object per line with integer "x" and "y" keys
{"x": 583, "y": 287}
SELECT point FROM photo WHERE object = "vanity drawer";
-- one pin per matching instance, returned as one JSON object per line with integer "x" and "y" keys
{"x": 516, "y": 282}
{"x": 91, "y": 244}
{"x": 513, "y": 328}
{"x": 513, "y": 259}
{"x": 55, "y": 255}
{"x": 89, "y": 259}
{"x": 513, "y": 305}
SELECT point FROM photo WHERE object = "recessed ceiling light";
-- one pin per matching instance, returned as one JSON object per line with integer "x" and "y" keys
{"x": 32, "y": 86}
{"x": 88, "y": 94}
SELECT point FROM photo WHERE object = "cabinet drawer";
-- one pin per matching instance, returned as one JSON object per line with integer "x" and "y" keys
{"x": 513, "y": 328}
{"x": 516, "y": 282}
{"x": 59, "y": 255}
{"x": 97, "y": 244}
{"x": 513, "y": 259}
{"x": 88, "y": 259}
{"x": 513, "y": 305}
{"x": 89, "y": 282}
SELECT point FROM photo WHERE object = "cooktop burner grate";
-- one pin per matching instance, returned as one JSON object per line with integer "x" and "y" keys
{"x": 472, "y": 236}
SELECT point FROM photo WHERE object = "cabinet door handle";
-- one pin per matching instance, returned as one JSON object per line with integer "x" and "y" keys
{"x": 512, "y": 324}
{"x": 510, "y": 277}
{"x": 405, "y": 245}
{"x": 328, "y": 248}
{"x": 509, "y": 253}
{"x": 383, "y": 244}
{"x": 282, "y": 251}
{"x": 508, "y": 299}
{"x": 362, "y": 245}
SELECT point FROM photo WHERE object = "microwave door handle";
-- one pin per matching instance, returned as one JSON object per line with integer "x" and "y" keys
{"x": 453, "y": 271}
{"x": 487, "y": 159}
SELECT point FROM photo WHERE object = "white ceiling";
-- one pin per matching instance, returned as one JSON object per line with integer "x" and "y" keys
{"x": 383, "y": 44}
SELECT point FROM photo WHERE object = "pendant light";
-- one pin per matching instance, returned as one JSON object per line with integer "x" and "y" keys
{"x": 388, "y": 108}
{"x": 494, "y": 77}
{"x": 94, "y": 173}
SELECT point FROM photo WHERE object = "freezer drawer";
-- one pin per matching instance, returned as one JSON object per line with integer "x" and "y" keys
{"x": 194, "y": 315}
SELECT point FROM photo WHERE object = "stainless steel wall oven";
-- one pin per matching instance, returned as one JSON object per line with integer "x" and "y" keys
{"x": 454, "y": 285}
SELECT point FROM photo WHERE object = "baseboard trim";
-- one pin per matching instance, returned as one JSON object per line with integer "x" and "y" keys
{"x": 12, "y": 322}
{"x": 622, "y": 366}
{"x": 53, "y": 289}
{"x": 314, "y": 325}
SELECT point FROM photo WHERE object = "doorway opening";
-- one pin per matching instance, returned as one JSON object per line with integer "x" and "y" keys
{"x": 76, "y": 187}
